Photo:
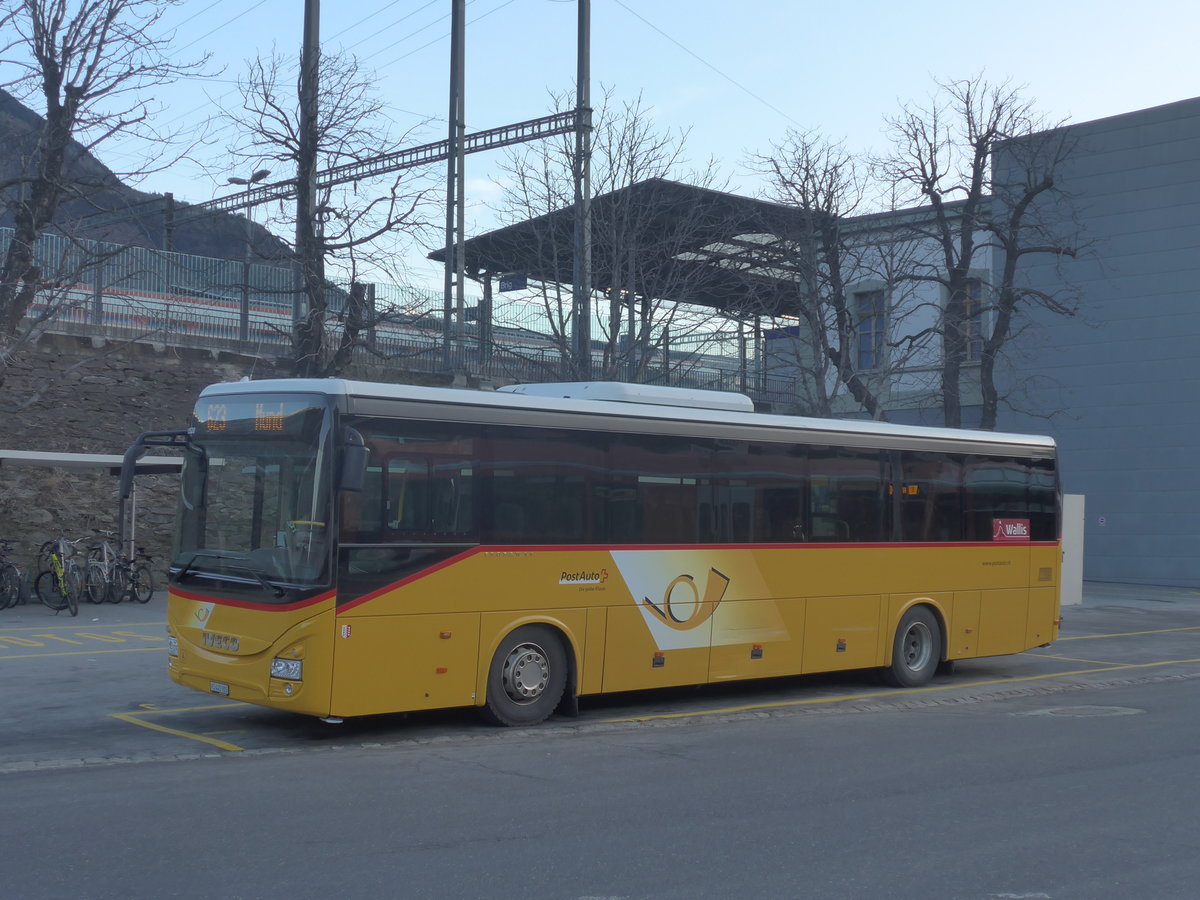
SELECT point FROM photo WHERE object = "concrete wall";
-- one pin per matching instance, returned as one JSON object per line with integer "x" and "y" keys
{"x": 1119, "y": 385}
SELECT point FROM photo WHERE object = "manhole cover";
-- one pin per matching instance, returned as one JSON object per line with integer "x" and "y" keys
{"x": 1084, "y": 712}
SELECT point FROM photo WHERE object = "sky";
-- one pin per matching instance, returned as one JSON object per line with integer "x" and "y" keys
{"x": 738, "y": 75}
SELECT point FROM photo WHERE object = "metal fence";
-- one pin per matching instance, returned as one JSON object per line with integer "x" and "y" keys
{"x": 134, "y": 293}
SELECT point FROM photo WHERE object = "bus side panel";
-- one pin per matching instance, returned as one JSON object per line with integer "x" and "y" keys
{"x": 841, "y": 632}
{"x": 1045, "y": 564}
{"x": 756, "y": 639}
{"x": 1043, "y": 616}
{"x": 962, "y": 641}
{"x": 392, "y": 663}
{"x": 632, "y": 660}
{"x": 591, "y": 667}
{"x": 1003, "y": 620}
{"x": 1045, "y": 599}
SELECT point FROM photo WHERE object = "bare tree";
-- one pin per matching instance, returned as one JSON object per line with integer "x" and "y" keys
{"x": 88, "y": 65}
{"x": 828, "y": 255}
{"x": 641, "y": 236}
{"x": 947, "y": 155}
{"x": 358, "y": 223}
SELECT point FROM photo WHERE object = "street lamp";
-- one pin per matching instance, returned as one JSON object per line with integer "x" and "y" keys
{"x": 244, "y": 312}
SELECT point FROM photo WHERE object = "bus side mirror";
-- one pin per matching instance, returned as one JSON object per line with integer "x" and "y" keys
{"x": 354, "y": 461}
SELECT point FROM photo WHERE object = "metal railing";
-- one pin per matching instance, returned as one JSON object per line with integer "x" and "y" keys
{"x": 141, "y": 294}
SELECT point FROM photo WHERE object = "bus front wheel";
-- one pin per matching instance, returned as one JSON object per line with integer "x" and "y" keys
{"x": 527, "y": 677}
{"x": 916, "y": 650}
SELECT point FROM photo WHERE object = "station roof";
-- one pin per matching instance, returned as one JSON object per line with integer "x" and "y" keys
{"x": 671, "y": 241}
{"x": 147, "y": 465}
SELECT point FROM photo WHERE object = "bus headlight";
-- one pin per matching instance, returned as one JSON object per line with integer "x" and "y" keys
{"x": 172, "y": 646}
{"x": 289, "y": 669}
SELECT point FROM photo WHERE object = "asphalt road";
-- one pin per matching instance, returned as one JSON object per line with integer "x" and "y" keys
{"x": 1068, "y": 772}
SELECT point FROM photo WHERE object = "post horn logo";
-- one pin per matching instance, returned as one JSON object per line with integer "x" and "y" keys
{"x": 682, "y": 607}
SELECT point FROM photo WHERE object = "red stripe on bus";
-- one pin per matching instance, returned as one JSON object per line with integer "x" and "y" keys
{"x": 601, "y": 548}
{"x": 409, "y": 579}
{"x": 245, "y": 604}
{"x": 808, "y": 545}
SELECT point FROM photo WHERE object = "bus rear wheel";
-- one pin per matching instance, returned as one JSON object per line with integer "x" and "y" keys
{"x": 527, "y": 677}
{"x": 916, "y": 649}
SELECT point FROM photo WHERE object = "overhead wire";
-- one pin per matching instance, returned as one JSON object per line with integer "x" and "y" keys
{"x": 218, "y": 99}
{"x": 741, "y": 87}
{"x": 225, "y": 24}
{"x": 211, "y": 101}
{"x": 384, "y": 28}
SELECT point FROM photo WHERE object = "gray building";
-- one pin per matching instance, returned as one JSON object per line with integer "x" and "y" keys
{"x": 1119, "y": 385}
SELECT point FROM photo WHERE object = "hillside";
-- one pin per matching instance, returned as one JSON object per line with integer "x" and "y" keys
{"x": 105, "y": 209}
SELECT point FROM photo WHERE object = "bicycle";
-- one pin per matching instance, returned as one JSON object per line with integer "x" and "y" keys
{"x": 12, "y": 577}
{"x": 113, "y": 577}
{"x": 61, "y": 583}
{"x": 107, "y": 571}
{"x": 140, "y": 580}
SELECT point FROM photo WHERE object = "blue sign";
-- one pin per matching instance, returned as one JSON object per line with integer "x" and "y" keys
{"x": 513, "y": 282}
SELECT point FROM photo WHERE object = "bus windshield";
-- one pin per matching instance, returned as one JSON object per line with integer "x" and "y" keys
{"x": 255, "y": 495}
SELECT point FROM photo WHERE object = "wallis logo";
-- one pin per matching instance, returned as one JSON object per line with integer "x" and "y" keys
{"x": 1010, "y": 529}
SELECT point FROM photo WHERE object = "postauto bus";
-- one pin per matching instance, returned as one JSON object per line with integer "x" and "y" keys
{"x": 347, "y": 549}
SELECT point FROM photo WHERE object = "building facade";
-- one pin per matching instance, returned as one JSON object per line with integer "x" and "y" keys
{"x": 1118, "y": 385}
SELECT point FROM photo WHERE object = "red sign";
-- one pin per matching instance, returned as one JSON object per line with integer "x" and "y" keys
{"x": 1010, "y": 529}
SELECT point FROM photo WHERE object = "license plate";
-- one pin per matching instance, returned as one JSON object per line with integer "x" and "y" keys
{"x": 216, "y": 687}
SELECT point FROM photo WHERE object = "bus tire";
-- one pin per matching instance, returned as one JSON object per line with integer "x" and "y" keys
{"x": 916, "y": 649}
{"x": 526, "y": 678}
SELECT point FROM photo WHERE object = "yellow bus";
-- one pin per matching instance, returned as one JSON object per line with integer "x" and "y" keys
{"x": 348, "y": 549}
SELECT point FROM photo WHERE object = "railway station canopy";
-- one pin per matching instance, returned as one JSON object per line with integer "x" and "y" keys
{"x": 662, "y": 240}
{"x": 94, "y": 462}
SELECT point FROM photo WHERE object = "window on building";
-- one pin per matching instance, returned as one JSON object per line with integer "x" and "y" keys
{"x": 973, "y": 317}
{"x": 871, "y": 322}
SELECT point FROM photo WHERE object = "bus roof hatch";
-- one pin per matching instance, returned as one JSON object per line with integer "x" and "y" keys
{"x": 623, "y": 392}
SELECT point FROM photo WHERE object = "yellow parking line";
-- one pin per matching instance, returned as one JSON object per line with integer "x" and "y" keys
{"x": 1093, "y": 637}
{"x": 135, "y": 719}
{"x": 1075, "y": 659}
{"x": 83, "y": 623}
{"x": 871, "y": 695}
{"x": 4, "y": 656}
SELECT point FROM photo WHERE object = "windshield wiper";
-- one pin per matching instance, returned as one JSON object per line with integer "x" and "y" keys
{"x": 274, "y": 588}
{"x": 186, "y": 569}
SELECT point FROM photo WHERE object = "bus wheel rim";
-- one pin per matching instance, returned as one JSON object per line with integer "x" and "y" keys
{"x": 526, "y": 673}
{"x": 918, "y": 646}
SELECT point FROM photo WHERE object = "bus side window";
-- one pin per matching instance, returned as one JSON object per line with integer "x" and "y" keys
{"x": 993, "y": 488}
{"x": 406, "y": 492}
{"x": 848, "y": 498}
{"x": 1043, "y": 501}
{"x": 362, "y": 512}
{"x": 672, "y": 477}
{"x": 767, "y": 485}
{"x": 930, "y": 496}
{"x": 782, "y": 515}
{"x": 431, "y": 498}
{"x": 540, "y": 486}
